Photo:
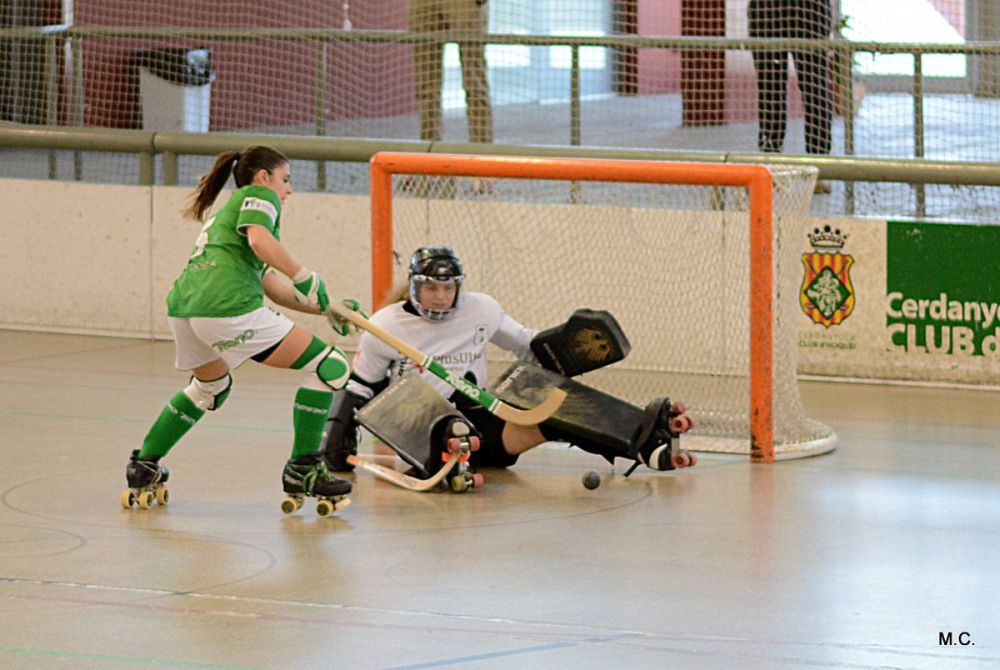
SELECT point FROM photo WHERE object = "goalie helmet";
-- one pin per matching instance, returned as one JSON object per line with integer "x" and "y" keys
{"x": 434, "y": 265}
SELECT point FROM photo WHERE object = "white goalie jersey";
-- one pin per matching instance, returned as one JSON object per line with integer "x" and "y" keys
{"x": 457, "y": 342}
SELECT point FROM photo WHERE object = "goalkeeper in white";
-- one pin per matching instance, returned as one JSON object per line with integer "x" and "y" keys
{"x": 217, "y": 314}
{"x": 454, "y": 326}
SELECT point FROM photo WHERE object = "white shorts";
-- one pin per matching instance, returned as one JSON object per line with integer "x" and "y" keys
{"x": 234, "y": 339}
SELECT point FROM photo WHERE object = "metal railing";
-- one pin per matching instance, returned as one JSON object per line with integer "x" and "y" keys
{"x": 147, "y": 145}
{"x": 845, "y": 52}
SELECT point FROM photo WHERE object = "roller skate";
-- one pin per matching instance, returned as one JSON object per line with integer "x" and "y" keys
{"x": 308, "y": 476}
{"x": 146, "y": 479}
{"x": 461, "y": 441}
{"x": 657, "y": 442}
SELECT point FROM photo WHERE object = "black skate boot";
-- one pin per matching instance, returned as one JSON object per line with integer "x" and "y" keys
{"x": 657, "y": 442}
{"x": 309, "y": 476}
{"x": 146, "y": 479}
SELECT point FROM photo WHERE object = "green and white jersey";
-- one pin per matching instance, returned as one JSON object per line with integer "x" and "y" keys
{"x": 223, "y": 275}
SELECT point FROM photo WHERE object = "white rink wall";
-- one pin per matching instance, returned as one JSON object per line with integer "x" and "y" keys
{"x": 99, "y": 259}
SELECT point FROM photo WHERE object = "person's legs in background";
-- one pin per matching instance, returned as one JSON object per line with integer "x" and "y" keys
{"x": 472, "y": 17}
{"x": 772, "y": 99}
{"x": 426, "y": 16}
{"x": 813, "y": 71}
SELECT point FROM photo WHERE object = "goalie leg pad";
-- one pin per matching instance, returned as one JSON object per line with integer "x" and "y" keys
{"x": 340, "y": 439}
{"x": 590, "y": 339}
{"x": 414, "y": 421}
{"x": 589, "y": 419}
{"x": 210, "y": 395}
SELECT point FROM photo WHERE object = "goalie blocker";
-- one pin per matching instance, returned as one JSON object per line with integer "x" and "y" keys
{"x": 590, "y": 339}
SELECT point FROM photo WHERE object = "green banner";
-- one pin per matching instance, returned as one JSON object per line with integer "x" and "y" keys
{"x": 943, "y": 288}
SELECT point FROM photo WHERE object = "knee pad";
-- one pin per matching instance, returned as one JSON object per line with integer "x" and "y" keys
{"x": 328, "y": 370}
{"x": 209, "y": 395}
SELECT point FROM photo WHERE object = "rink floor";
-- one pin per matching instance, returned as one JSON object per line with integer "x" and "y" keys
{"x": 861, "y": 558}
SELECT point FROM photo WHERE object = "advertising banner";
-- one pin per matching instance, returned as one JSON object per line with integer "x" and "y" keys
{"x": 901, "y": 300}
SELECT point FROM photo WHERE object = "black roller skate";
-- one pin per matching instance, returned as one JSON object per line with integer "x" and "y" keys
{"x": 146, "y": 479}
{"x": 459, "y": 442}
{"x": 308, "y": 476}
{"x": 657, "y": 441}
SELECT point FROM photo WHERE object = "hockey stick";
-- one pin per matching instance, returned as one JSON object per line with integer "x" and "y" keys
{"x": 520, "y": 417}
{"x": 393, "y": 476}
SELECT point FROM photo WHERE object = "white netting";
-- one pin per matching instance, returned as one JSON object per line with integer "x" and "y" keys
{"x": 670, "y": 262}
{"x": 296, "y": 70}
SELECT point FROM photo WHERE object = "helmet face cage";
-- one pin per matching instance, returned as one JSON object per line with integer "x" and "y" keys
{"x": 436, "y": 265}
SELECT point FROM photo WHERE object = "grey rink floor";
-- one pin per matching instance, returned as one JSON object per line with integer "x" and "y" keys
{"x": 857, "y": 559}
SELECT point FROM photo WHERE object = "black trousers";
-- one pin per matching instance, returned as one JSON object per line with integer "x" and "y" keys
{"x": 795, "y": 19}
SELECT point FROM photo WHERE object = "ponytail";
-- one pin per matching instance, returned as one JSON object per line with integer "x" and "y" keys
{"x": 242, "y": 166}
{"x": 210, "y": 185}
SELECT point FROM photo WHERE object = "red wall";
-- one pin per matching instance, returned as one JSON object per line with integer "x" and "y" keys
{"x": 659, "y": 69}
{"x": 258, "y": 83}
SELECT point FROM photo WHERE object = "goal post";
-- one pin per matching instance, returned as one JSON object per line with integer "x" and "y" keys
{"x": 441, "y": 211}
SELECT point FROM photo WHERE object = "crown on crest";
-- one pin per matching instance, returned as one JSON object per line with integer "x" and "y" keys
{"x": 827, "y": 237}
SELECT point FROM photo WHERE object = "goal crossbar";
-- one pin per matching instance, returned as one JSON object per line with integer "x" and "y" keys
{"x": 756, "y": 179}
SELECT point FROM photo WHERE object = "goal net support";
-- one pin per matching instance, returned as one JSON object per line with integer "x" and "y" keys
{"x": 698, "y": 262}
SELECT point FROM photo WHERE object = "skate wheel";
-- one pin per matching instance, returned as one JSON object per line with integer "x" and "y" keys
{"x": 478, "y": 481}
{"x": 145, "y": 499}
{"x": 290, "y": 504}
{"x": 162, "y": 495}
{"x": 127, "y": 499}
{"x": 678, "y": 407}
{"x": 458, "y": 484}
{"x": 474, "y": 443}
{"x": 324, "y": 508}
{"x": 682, "y": 460}
{"x": 454, "y": 445}
{"x": 680, "y": 424}
{"x": 694, "y": 459}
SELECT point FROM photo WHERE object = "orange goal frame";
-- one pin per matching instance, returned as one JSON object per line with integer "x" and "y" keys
{"x": 755, "y": 178}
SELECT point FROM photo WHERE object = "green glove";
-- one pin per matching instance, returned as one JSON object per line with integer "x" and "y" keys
{"x": 339, "y": 323}
{"x": 310, "y": 289}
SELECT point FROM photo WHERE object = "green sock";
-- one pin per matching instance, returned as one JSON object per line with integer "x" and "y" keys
{"x": 177, "y": 418}
{"x": 309, "y": 418}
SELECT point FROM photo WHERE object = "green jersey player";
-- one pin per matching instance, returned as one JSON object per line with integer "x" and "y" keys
{"x": 217, "y": 314}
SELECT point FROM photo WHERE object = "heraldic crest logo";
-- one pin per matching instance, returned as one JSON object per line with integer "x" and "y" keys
{"x": 827, "y": 295}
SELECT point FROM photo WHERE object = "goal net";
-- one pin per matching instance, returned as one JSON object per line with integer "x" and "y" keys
{"x": 699, "y": 263}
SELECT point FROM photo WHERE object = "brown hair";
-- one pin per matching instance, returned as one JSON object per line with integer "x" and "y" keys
{"x": 241, "y": 165}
